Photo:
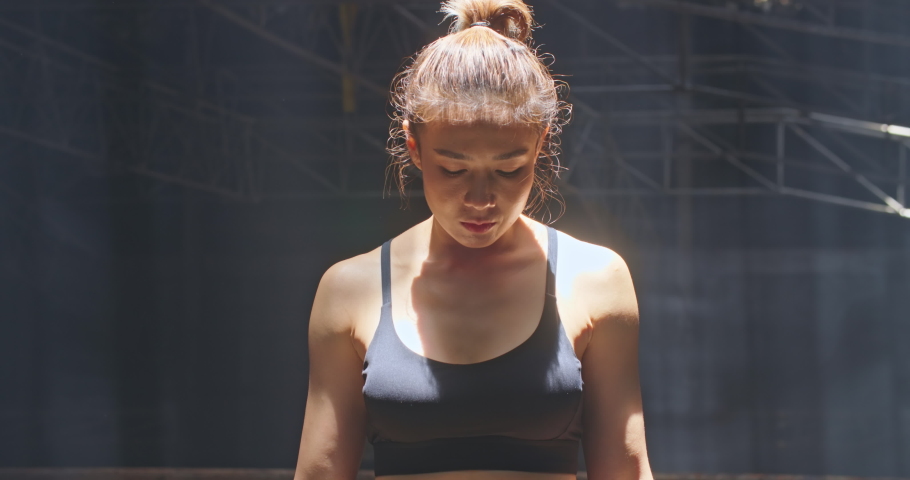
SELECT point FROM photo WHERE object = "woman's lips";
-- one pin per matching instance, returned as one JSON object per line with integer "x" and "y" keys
{"x": 478, "y": 227}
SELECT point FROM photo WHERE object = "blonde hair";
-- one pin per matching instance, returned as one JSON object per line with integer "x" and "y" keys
{"x": 483, "y": 71}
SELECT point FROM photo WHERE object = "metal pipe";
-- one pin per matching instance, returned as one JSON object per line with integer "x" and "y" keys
{"x": 847, "y": 202}
{"x": 667, "y": 156}
{"x": 613, "y": 41}
{"x": 775, "y": 22}
{"x": 289, "y": 46}
{"x": 862, "y": 180}
{"x": 902, "y": 173}
{"x": 781, "y": 137}
{"x": 97, "y": 158}
{"x": 726, "y": 155}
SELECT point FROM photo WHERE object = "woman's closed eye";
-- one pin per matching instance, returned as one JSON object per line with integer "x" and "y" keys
{"x": 456, "y": 173}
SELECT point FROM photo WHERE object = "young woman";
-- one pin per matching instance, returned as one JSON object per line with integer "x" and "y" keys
{"x": 480, "y": 344}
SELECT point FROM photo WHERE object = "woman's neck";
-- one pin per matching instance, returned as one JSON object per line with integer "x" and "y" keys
{"x": 442, "y": 248}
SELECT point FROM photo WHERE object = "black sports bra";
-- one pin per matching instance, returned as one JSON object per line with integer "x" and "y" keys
{"x": 519, "y": 411}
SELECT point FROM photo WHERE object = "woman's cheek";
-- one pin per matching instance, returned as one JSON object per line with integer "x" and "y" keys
{"x": 521, "y": 188}
{"x": 439, "y": 189}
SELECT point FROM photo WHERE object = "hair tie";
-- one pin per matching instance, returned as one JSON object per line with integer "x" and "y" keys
{"x": 482, "y": 23}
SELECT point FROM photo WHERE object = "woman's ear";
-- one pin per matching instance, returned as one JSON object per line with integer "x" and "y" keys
{"x": 543, "y": 139}
{"x": 411, "y": 142}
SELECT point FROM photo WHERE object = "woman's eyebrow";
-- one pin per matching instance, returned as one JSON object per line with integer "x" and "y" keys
{"x": 512, "y": 154}
{"x": 450, "y": 154}
{"x": 460, "y": 156}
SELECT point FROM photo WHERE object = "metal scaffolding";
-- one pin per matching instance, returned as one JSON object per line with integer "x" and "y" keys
{"x": 273, "y": 99}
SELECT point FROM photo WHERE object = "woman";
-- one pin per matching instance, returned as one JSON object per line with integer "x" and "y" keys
{"x": 455, "y": 347}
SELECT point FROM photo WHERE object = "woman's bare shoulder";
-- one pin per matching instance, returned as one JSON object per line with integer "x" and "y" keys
{"x": 350, "y": 291}
{"x": 345, "y": 289}
{"x": 597, "y": 276}
{"x": 351, "y": 274}
{"x": 569, "y": 245}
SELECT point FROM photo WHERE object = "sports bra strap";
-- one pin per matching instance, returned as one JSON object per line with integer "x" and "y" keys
{"x": 551, "y": 260}
{"x": 386, "y": 273}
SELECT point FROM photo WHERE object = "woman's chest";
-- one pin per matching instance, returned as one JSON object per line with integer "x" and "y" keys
{"x": 530, "y": 390}
{"x": 468, "y": 320}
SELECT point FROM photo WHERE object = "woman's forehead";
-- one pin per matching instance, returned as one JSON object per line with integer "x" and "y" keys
{"x": 513, "y": 133}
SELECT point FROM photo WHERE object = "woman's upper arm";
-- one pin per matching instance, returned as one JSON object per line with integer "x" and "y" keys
{"x": 614, "y": 431}
{"x": 334, "y": 419}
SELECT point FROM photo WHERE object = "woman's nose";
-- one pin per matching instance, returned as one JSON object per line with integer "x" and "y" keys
{"x": 479, "y": 194}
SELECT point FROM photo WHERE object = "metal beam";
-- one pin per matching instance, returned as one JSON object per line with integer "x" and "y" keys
{"x": 736, "y": 162}
{"x": 409, "y": 15}
{"x": 728, "y": 116}
{"x": 613, "y": 41}
{"x": 861, "y": 179}
{"x": 699, "y": 89}
{"x": 624, "y": 88}
{"x": 290, "y": 47}
{"x": 858, "y": 153}
{"x": 750, "y": 63}
{"x": 707, "y": 192}
{"x": 834, "y": 199}
{"x": 861, "y": 127}
{"x": 190, "y": 101}
{"x": 774, "y": 22}
{"x": 141, "y": 170}
{"x": 902, "y": 173}
{"x": 189, "y": 105}
{"x": 781, "y": 140}
{"x": 572, "y": 162}
{"x": 665, "y": 158}
{"x": 31, "y": 5}
{"x": 614, "y": 150}
{"x": 790, "y": 59}
{"x": 295, "y": 161}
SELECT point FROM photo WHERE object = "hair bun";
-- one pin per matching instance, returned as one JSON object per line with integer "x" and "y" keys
{"x": 510, "y": 18}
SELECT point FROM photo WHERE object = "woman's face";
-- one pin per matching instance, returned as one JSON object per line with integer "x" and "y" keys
{"x": 477, "y": 177}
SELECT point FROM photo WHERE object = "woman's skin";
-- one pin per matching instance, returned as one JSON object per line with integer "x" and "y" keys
{"x": 464, "y": 297}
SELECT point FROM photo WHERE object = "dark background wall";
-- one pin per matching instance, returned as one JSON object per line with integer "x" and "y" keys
{"x": 150, "y": 316}
{"x": 177, "y": 337}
